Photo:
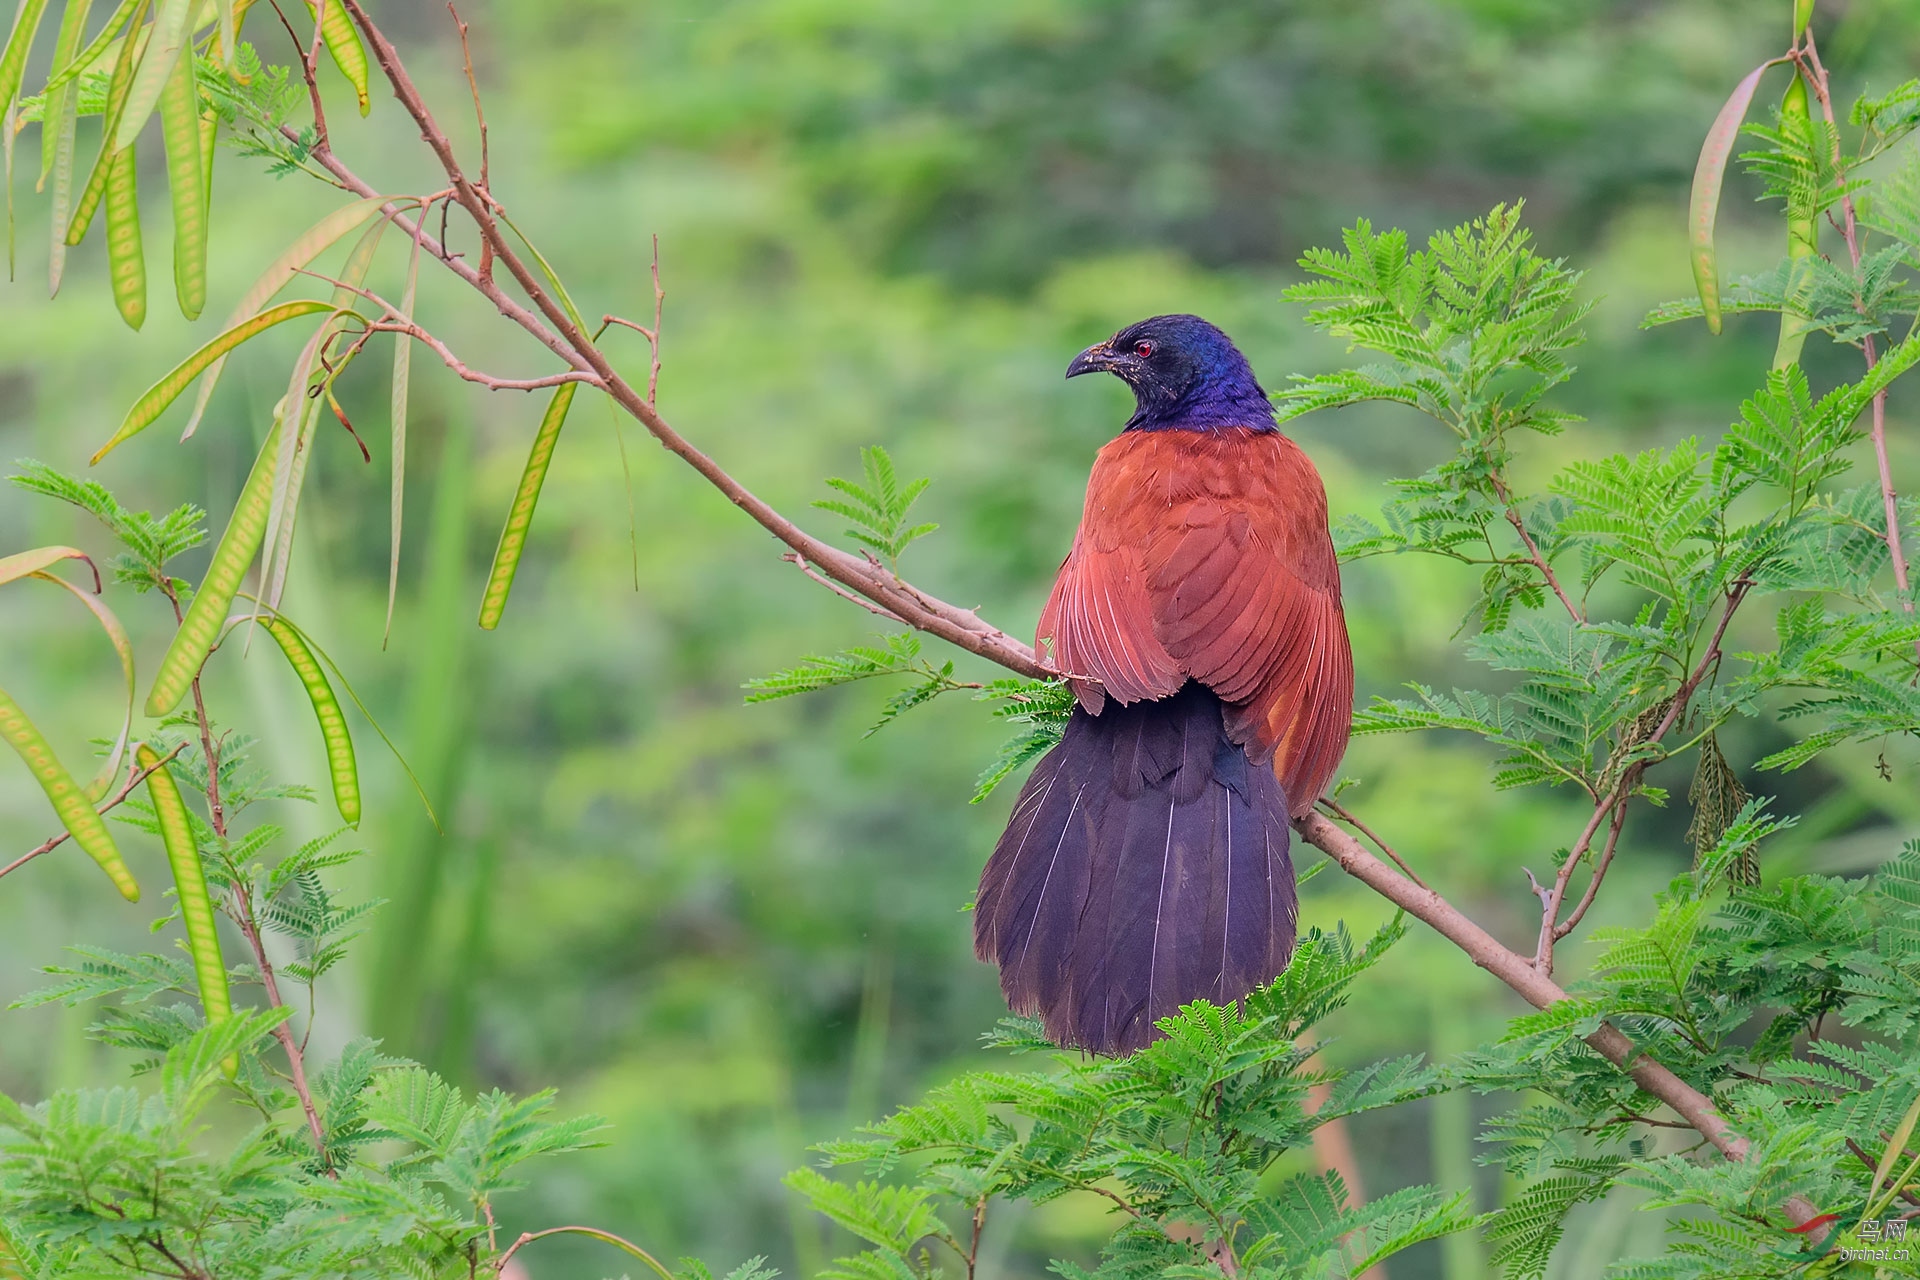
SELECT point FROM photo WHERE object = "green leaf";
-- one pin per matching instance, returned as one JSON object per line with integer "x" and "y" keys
{"x": 879, "y": 506}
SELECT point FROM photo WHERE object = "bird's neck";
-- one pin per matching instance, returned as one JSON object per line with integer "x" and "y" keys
{"x": 1207, "y": 410}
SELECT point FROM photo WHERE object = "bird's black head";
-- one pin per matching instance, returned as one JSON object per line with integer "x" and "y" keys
{"x": 1185, "y": 375}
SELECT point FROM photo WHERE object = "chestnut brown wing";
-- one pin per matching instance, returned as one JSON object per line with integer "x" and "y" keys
{"x": 1206, "y": 555}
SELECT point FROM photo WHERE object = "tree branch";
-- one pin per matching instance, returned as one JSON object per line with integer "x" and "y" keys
{"x": 1808, "y": 59}
{"x": 134, "y": 779}
{"x": 1572, "y": 921}
{"x": 1533, "y": 549}
{"x": 556, "y": 329}
{"x": 961, "y": 627}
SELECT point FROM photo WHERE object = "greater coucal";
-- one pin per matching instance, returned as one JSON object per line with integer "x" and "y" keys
{"x": 1145, "y": 865}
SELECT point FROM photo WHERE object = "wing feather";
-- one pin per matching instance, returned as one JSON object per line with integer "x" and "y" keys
{"x": 1205, "y": 556}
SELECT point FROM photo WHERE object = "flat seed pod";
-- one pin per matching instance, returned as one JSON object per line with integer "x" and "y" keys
{"x": 343, "y": 43}
{"x": 341, "y": 766}
{"x": 309, "y": 245}
{"x": 171, "y": 26}
{"x": 1704, "y": 204}
{"x": 189, "y": 887}
{"x": 76, "y": 812}
{"x": 59, "y": 132}
{"x": 126, "y": 257}
{"x": 513, "y": 537}
{"x": 154, "y": 400}
{"x": 13, "y": 61}
{"x": 96, "y": 48}
{"x": 1803, "y": 236}
{"x": 72, "y": 26}
{"x": 194, "y": 639}
{"x": 186, "y": 183}
{"x": 95, "y": 189}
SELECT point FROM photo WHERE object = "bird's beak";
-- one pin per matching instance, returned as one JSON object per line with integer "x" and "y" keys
{"x": 1098, "y": 358}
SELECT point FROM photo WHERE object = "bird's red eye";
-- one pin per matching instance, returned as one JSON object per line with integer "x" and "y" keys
{"x": 1143, "y": 349}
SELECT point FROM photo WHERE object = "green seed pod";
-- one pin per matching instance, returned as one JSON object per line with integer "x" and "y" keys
{"x": 189, "y": 887}
{"x": 343, "y": 42}
{"x": 77, "y": 813}
{"x": 1803, "y": 233}
{"x": 154, "y": 400}
{"x": 326, "y": 709}
{"x": 131, "y": 47}
{"x": 126, "y": 259}
{"x": 513, "y": 537}
{"x": 180, "y": 125}
{"x": 205, "y": 616}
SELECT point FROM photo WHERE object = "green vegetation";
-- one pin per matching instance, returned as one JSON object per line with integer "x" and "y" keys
{"x": 734, "y": 930}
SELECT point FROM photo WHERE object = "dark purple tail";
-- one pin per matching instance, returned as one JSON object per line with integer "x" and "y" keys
{"x": 1145, "y": 867}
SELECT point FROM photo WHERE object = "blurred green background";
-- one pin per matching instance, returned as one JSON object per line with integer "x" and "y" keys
{"x": 739, "y": 930}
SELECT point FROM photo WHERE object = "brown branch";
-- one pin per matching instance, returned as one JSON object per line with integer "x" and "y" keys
{"x": 1364, "y": 830}
{"x": 1550, "y": 900}
{"x": 394, "y": 320}
{"x": 1533, "y": 550}
{"x": 1614, "y": 803}
{"x": 242, "y": 913}
{"x": 480, "y": 116}
{"x": 607, "y": 321}
{"x": 555, "y": 328}
{"x": 392, "y": 324}
{"x": 961, "y": 627}
{"x": 1808, "y": 59}
{"x": 1572, "y": 921}
{"x": 798, "y": 561}
{"x": 134, "y": 779}
{"x": 653, "y": 339}
{"x": 1518, "y": 973}
{"x": 309, "y": 55}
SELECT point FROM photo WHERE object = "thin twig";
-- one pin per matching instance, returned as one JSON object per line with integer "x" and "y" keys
{"x": 607, "y": 321}
{"x": 480, "y": 117}
{"x": 393, "y": 320}
{"x": 653, "y": 339}
{"x": 134, "y": 779}
{"x": 1873, "y": 1164}
{"x": 1363, "y": 829}
{"x": 1541, "y": 892}
{"x": 1808, "y": 59}
{"x": 1572, "y": 921}
{"x": 391, "y": 324}
{"x": 528, "y": 1237}
{"x": 1533, "y": 549}
{"x": 216, "y": 810}
{"x": 798, "y": 561}
{"x": 309, "y": 55}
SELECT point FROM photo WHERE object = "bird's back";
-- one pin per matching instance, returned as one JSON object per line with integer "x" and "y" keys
{"x": 1205, "y": 555}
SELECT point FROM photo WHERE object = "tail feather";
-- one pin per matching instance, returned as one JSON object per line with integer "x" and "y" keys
{"x": 1145, "y": 867}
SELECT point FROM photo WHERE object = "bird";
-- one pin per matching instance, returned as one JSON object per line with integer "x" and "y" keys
{"x": 1197, "y": 618}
